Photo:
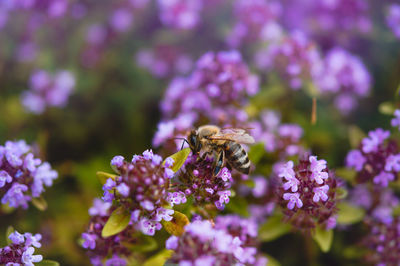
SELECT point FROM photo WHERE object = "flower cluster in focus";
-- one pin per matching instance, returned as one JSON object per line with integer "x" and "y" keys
{"x": 22, "y": 175}
{"x": 141, "y": 187}
{"x": 307, "y": 194}
{"x": 20, "y": 250}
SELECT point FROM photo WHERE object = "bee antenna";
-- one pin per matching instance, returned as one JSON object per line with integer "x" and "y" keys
{"x": 183, "y": 143}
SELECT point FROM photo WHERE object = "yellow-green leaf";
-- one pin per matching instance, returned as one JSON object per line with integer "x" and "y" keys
{"x": 323, "y": 238}
{"x": 9, "y": 231}
{"x": 273, "y": 229}
{"x": 346, "y": 173}
{"x": 179, "y": 158}
{"x": 159, "y": 259}
{"x": 272, "y": 261}
{"x": 355, "y": 136}
{"x": 144, "y": 244}
{"x": 47, "y": 263}
{"x": 349, "y": 214}
{"x": 117, "y": 222}
{"x": 177, "y": 224}
{"x": 341, "y": 193}
{"x": 256, "y": 152}
{"x": 103, "y": 176}
{"x": 40, "y": 203}
{"x": 387, "y": 108}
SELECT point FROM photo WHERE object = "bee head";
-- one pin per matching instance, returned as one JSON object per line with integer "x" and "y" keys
{"x": 194, "y": 142}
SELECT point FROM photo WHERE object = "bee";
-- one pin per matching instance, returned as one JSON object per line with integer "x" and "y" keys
{"x": 223, "y": 145}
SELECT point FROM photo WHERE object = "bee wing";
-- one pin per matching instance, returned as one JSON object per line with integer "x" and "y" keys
{"x": 234, "y": 134}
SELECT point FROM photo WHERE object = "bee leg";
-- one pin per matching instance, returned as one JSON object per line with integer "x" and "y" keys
{"x": 218, "y": 162}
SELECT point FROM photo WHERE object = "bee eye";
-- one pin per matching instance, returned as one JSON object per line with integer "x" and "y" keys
{"x": 193, "y": 140}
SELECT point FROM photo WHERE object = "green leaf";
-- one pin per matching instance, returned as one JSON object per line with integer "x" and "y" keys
{"x": 47, "y": 263}
{"x": 238, "y": 205}
{"x": 40, "y": 203}
{"x": 145, "y": 244}
{"x": 273, "y": 228}
{"x": 346, "y": 173}
{"x": 177, "y": 224}
{"x": 323, "y": 238}
{"x": 272, "y": 261}
{"x": 355, "y": 136}
{"x": 9, "y": 231}
{"x": 117, "y": 222}
{"x": 387, "y": 108}
{"x": 103, "y": 176}
{"x": 179, "y": 158}
{"x": 159, "y": 259}
{"x": 341, "y": 193}
{"x": 349, "y": 214}
{"x": 256, "y": 152}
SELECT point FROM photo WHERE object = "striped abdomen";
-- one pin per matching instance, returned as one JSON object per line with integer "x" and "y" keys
{"x": 237, "y": 157}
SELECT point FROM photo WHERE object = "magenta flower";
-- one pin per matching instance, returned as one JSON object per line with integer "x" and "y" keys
{"x": 20, "y": 251}
{"x": 321, "y": 193}
{"x": 294, "y": 200}
{"x": 374, "y": 139}
{"x": 355, "y": 159}
{"x": 313, "y": 198}
{"x": 395, "y": 122}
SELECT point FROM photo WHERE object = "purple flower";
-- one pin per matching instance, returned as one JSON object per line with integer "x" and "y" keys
{"x": 316, "y": 168}
{"x": 149, "y": 227}
{"x": 393, "y": 163}
{"x": 395, "y": 122}
{"x": 176, "y": 198}
{"x": 33, "y": 240}
{"x": 383, "y": 179}
{"x": 121, "y": 20}
{"x": 117, "y": 161}
{"x": 172, "y": 242}
{"x": 48, "y": 90}
{"x": 393, "y": 19}
{"x": 28, "y": 258}
{"x": 294, "y": 199}
{"x": 99, "y": 208}
{"x": 89, "y": 241}
{"x": 355, "y": 159}
{"x": 15, "y": 196}
{"x": 295, "y": 59}
{"x": 164, "y": 214}
{"x": 123, "y": 189}
{"x": 116, "y": 261}
{"x": 180, "y": 14}
{"x": 321, "y": 193}
{"x": 288, "y": 173}
{"x": 4, "y": 178}
{"x": 344, "y": 75}
{"x": 225, "y": 174}
{"x": 20, "y": 250}
{"x": 16, "y": 238}
{"x": 312, "y": 186}
{"x": 374, "y": 139}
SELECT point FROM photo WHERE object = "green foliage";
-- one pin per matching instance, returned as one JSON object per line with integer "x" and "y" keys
{"x": 117, "y": 222}
{"x": 143, "y": 244}
{"x": 47, "y": 263}
{"x": 387, "y": 108}
{"x": 103, "y": 176}
{"x": 349, "y": 214}
{"x": 273, "y": 228}
{"x": 159, "y": 259}
{"x": 256, "y": 152}
{"x": 346, "y": 173}
{"x": 40, "y": 203}
{"x": 179, "y": 158}
{"x": 355, "y": 136}
{"x": 10, "y": 230}
{"x": 238, "y": 205}
{"x": 323, "y": 238}
{"x": 177, "y": 224}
